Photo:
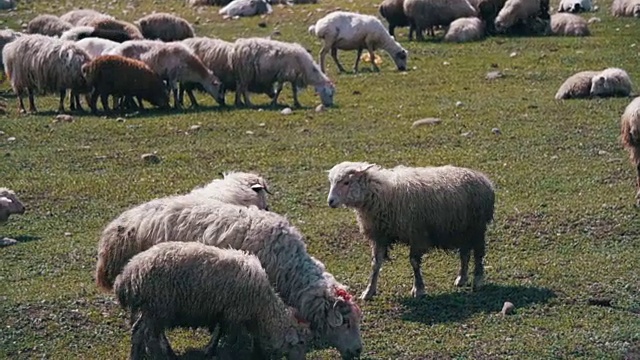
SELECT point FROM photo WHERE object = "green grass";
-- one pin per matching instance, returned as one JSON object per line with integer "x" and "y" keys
{"x": 565, "y": 229}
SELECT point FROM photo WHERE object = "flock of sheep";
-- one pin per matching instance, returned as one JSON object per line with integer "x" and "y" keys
{"x": 217, "y": 257}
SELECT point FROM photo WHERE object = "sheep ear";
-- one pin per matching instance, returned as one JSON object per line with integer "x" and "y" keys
{"x": 363, "y": 170}
{"x": 335, "y": 316}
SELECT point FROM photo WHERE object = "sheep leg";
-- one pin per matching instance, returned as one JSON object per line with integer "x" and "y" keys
{"x": 274, "y": 101}
{"x": 358, "y": 55}
{"x": 192, "y": 98}
{"x": 140, "y": 102}
{"x": 76, "y": 98}
{"x": 104, "y": 99}
{"x": 137, "y": 340}
{"x": 372, "y": 56}
{"x": 323, "y": 54}
{"x": 378, "y": 254}
{"x": 334, "y": 55}
{"x": 21, "y": 108}
{"x": 465, "y": 255}
{"x": 478, "y": 260}
{"x": 93, "y": 102}
{"x": 391, "y": 29}
{"x": 296, "y": 103}
{"x": 63, "y": 94}
{"x": 212, "y": 347}
{"x": 415, "y": 258}
{"x": 72, "y": 104}
{"x": 32, "y": 104}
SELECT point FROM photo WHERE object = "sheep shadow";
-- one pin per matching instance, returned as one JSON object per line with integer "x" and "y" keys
{"x": 459, "y": 305}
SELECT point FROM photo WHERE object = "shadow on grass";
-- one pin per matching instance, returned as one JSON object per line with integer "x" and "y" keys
{"x": 457, "y": 306}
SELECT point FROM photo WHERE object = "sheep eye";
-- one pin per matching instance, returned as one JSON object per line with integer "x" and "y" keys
{"x": 346, "y": 183}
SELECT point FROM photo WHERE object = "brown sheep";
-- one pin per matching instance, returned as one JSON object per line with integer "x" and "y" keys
{"x": 630, "y": 138}
{"x": 487, "y": 12}
{"x": 393, "y": 12}
{"x": 119, "y": 76}
{"x": 105, "y": 23}
{"x": 165, "y": 27}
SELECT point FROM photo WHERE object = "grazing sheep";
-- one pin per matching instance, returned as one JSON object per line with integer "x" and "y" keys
{"x": 177, "y": 284}
{"x": 574, "y": 6}
{"x": 9, "y": 204}
{"x": 515, "y": 11}
{"x": 464, "y": 30}
{"x": 165, "y": 27}
{"x": 281, "y": 249}
{"x": 488, "y": 10}
{"x": 38, "y": 63}
{"x": 261, "y": 62}
{"x": 342, "y": 30}
{"x": 576, "y": 86}
{"x": 246, "y": 8}
{"x": 630, "y": 138}
{"x": 120, "y": 76}
{"x": 49, "y": 25}
{"x": 96, "y": 46}
{"x": 75, "y": 17}
{"x": 611, "y": 82}
{"x": 426, "y": 14}
{"x": 564, "y": 24}
{"x": 393, "y": 12}
{"x": 625, "y": 8}
{"x": 83, "y": 32}
{"x": 105, "y": 23}
{"x": 434, "y": 207}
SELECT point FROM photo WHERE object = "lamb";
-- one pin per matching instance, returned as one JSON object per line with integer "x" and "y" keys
{"x": 297, "y": 277}
{"x": 625, "y": 8}
{"x": 261, "y": 62}
{"x": 426, "y": 14}
{"x": 75, "y": 17}
{"x": 576, "y": 86}
{"x": 432, "y": 207}
{"x": 82, "y": 32}
{"x": 393, "y": 12}
{"x": 224, "y": 286}
{"x": 465, "y": 29}
{"x": 246, "y": 8}
{"x": 574, "y": 6}
{"x": 165, "y": 27}
{"x": 96, "y": 46}
{"x": 515, "y": 11}
{"x": 611, "y": 82}
{"x": 49, "y": 25}
{"x": 564, "y": 24}
{"x": 44, "y": 64}
{"x": 119, "y": 76}
{"x": 630, "y": 138}
{"x": 105, "y": 23}
{"x": 342, "y": 30}
{"x": 9, "y": 205}
{"x": 214, "y": 53}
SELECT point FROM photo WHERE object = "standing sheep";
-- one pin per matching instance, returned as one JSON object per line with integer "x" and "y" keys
{"x": 488, "y": 10}
{"x": 564, "y": 24}
{"x": 465, "y": 29}
{"x": 165, "y": 27}
{"x": 75, "y": 17}
{"x": 393, "y": 12}
{"x": 435, "y": 207}
{"x": 611, "y": 82}
{"x": 177, "y": 284}
{"x": 44, "y": 64}
{"x": 574, "y": 6}
{"x": 426, "y": 14}
{"x": 341, "y": 30}
{"x": 49, "y": 25}
{"x": 630, "y": 138}
{"x": 625, "y": 8}
{"x": 261, "y": 62}
{"x": 576, "y": 86}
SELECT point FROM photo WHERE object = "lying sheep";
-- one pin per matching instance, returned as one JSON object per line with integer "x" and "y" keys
{"x": 9, "y": 204}
{"x": 465, "y": 30}
{"x": 298, "y": 278}
{"x": 625, "y": 8}
{"x": 630, "y": 138}
{"x": 38, "y": 63}
{"x": 426, "y": 14}
{"x": 341, "y": 30}
{"x": 261, "y": 62}
{"x": 82, "y": 32}
{"x": 105, "y": 23}
{"x": 574, "y": 6}
{"x": 119, "y": 76}
{"x": 75, "y": 17}
{"x": 393, "y": 12}
{"x": 208, "y": 2}
{"x": 564, "y": 24}
{"x": 165, "y": 27}
{"x": 49, "y": 25}
{"x": 611, "y": 82}
{"x": 576, "y": 86}
{"x": 177, "y": 284}
{"x": 96, "y": 46}
{"x": 246, "y": 8}
{"x": 434, "y": 207}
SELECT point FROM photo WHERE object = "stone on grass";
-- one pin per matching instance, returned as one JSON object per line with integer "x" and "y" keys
{"x": 426, "y": 121}
{"x": 286, "y": 111}
{"x": 507, "y": 308}
{"x": 150, "y": 158}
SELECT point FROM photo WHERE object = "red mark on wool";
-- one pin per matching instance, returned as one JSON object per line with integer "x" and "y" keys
{"x": 344, "y": 295}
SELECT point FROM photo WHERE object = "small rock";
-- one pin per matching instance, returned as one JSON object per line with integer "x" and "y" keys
{"x": 356, "y": 92}
{"x": 446, "y": 63}
{"x": 459, "y": 103}
{"x": 602, "y": 152}
{"x": 594, "y": 20}
{"x": 426, "y": 121}
{"x": 554, "y": 157}
{"x": 507, "y": 308}
{"x": 194, "y": 127}
{"x": 276, "y": 33}
{"x": 249, "y": 132}
{"x": 150, "y": 158}
{"x": 67, "y": 234}
{"x": 11, "y": 139}
{"x": 260, "y": 110}
{"x": 320, "y": 108}
{"x": 496, "y": 131}
{"x": 492, "y": 75}
{"x": 286, "y": 111}
{"x": 262, "y": 124}
{"x": 513, "y": 54}
{"x": 101, "y": 157}
{"x": 467, "y": 134}
{"x": 64, "y": 118}
{"x": 120, "y": 119}
{"x": 1, "y": 133}
{"x": 494, "y": 65}
{"x": 7, "y": 242}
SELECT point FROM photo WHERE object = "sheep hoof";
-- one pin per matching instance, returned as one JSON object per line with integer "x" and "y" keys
{"x": 460, "y": 281}
{"x": 478, "y": 282}
{"x": 368, "y": 294}
{"x": 417, "y": 293}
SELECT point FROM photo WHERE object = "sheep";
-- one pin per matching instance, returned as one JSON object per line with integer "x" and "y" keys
{"x": 262, "y": 62}
{"x": 296, "y": 276}
{"x": 9, "y": 205}
{"x": 6, "y": 36}
{"x": 75, "y": 17}
{"x": 611, "y": 82}
{"x": 224, "y": 286}
{"x": 515, "y": 11}
{"x": 574, "y": 6}
{"x": 236, "y": 187}
{"x": 40, "y": 63}
{"x": 625, "y": 8}
{"x": 576, "y": 86}
{"x": 105, "y": 23}
{"x": 246, "y": 8}
{"x": 431, "y": 207}
{"x": 208, "y": 2}
{"x": 49, "y": 25}
{"x": 393, "y": 12}
{"x": 630, "y": 138}
{"x": 96, "y": 46}
{"x": 465, "y": 29}
{"x": 214, "y": 53}
{"x": 564, "y": 24}
{"x": 487, "y": 12}
{"x": 165, "y": 27}
{"x": 426, "y": 14}
{"x": 342, "y": 30}
{"x": 82, "y": 32}
{"x": 120, "y": 76}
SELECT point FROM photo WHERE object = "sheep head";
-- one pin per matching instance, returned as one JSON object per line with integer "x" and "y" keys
{"x": 400, "y": 59}
{"x": 344, "y": 319}
{"x": 348, "y": 185}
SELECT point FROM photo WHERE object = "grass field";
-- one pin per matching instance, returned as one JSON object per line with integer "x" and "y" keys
{"x": 565, "y": 231}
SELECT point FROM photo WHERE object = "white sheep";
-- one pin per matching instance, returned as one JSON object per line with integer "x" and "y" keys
{"x": 565, "y": 24}
{"x": 465, "y": 29}
{"x": 260, "y": 62}
{"x": 625, "y": 8}
{"x": 515, "y": 11}
{"x": 246, "y": 8}
{"x": 9, "y": 204}
{"x": 82, "y": 32}
{"x": 574, "y": 6}
{"x": 6, "y": 36}
{"x": 576, "y": 86}
{"x": 96, "y": 46}
{"x": 178, "y": 284}
{"x": 49, "y": 25}
{"x": 434, "y": 207}
{"x": 342, "y": 30}
{"x": 427, "y": 14}
{"x": 75, "y": 17}
{"x": 38, "y": 63}
{"x": 165, "y": 27}
{"x": 630, "y": 138}
{"x": 611, "y": 82}
{"x": 298, "y": 278}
